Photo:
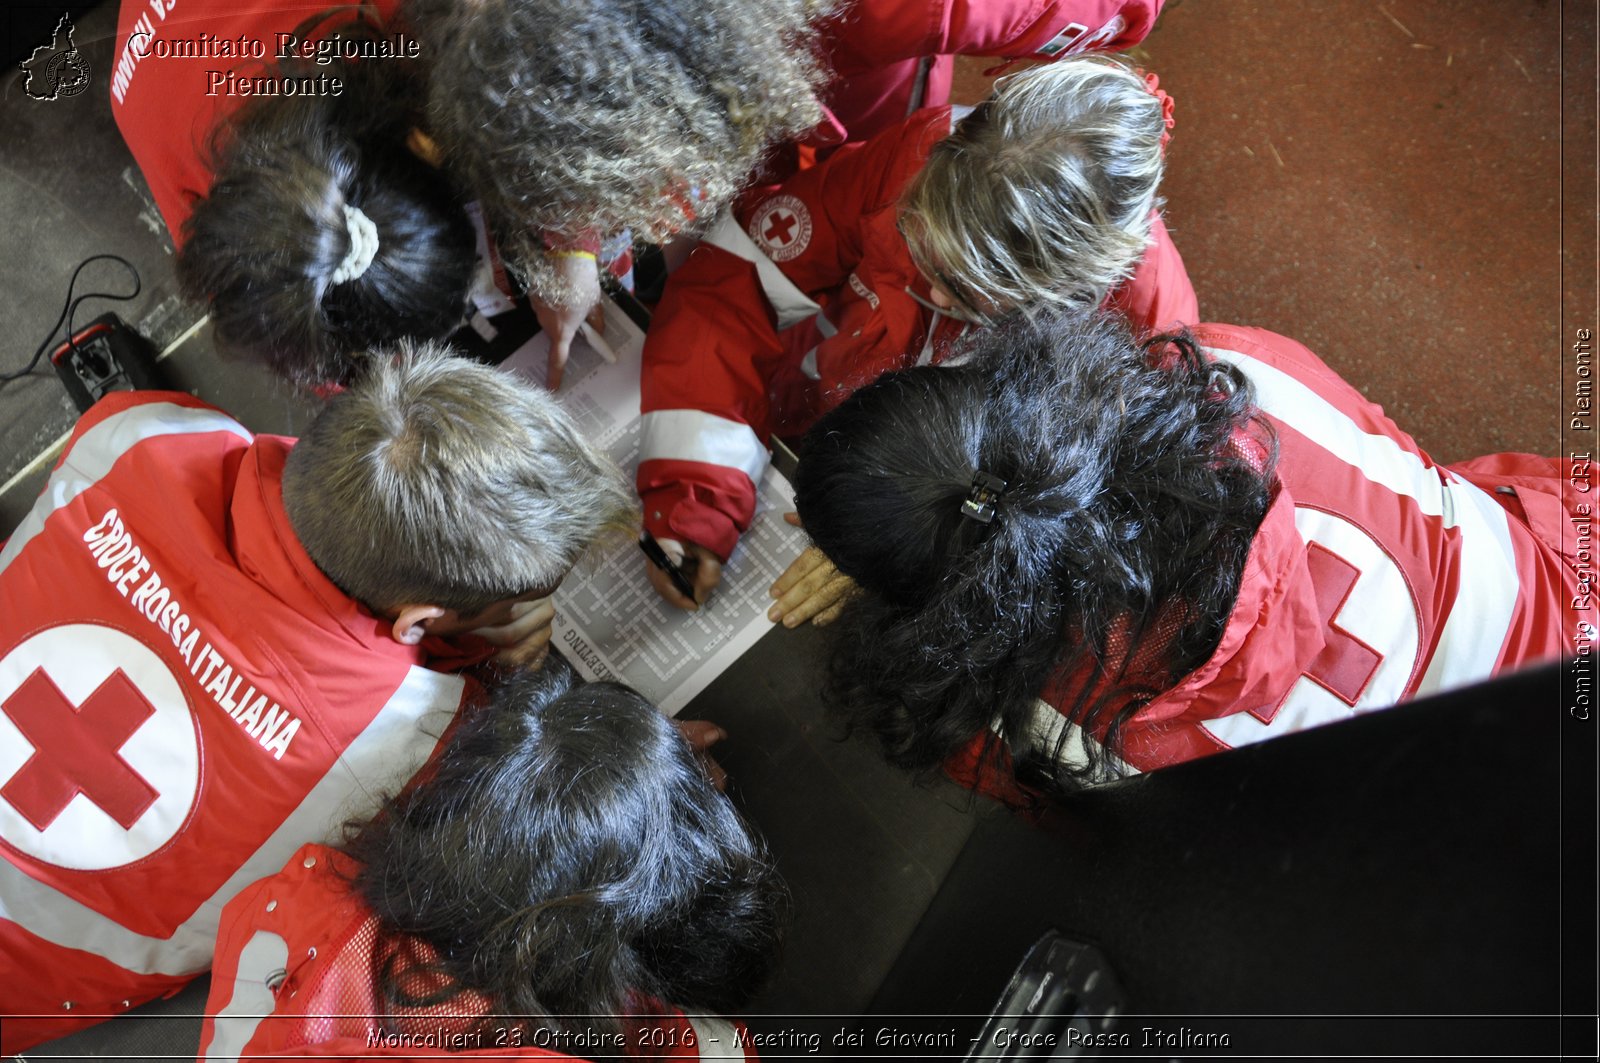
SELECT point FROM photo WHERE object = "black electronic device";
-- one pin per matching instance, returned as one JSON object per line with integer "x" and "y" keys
{"x": 1061, "y": 1003}
{"x": 105, "y": 355}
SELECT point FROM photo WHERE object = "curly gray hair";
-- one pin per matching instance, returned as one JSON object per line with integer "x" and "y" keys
{"x": 565, "y": 116}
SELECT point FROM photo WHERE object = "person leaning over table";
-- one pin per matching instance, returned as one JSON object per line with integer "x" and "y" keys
{"x": 1045, "y": 195}
{"x": 1082, "y": 556}
{"x": 566, "y": 885}
{"x": 162, "y": 98}
{"x": 574, "y": 122}
{"x": 218, "y": 646}
{"x": 324, "y": 233}
{"x": 314, "y": 226}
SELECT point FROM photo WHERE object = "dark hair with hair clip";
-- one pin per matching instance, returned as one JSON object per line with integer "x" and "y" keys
{"x": 569, "y": 853}
{"x": 263, "y": 245}
{"x": 1114, "y": 553}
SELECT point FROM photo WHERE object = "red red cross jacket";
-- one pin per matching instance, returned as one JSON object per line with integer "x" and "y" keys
{"x": 165, "y": 93}
{"x": 185, "y": 699}
{"x": 300, "y": 961}
{"x": 892, "y": 57}
{"x": 1376, "y": 576}
{"x": 738, "y": 349}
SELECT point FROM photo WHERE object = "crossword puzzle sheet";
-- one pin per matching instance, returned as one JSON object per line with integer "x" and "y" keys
{"x": 609, "y": 622}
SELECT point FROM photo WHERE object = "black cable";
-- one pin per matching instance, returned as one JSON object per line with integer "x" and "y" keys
{"x": 70, "y": 307}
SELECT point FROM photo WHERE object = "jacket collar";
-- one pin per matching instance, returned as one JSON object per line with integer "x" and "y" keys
{"x": 266, "y": 548}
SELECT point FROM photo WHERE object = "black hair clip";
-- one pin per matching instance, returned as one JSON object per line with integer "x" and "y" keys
{"x": 987, "y": 492}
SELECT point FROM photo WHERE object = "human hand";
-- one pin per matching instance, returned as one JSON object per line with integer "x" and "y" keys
{"x": 580, "y": 280}
{"x": 424, "y": 147}
{"x": 702, "y": 735}
{"x": 525, "y": 638}
{"x": 704, "y": 572}
{"x": 811, "y": 588}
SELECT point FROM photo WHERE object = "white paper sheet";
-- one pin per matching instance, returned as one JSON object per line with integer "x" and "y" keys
{"x": 610, "y": 623}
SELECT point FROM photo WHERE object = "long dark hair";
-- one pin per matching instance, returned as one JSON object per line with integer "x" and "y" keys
{"x": 569, "y": 853}
{"x": 1114, "y": 555}
{"x": 264, "y": 243}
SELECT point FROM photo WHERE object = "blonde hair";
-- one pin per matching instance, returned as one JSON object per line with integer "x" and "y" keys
{"x": 438, "y": 480}
{"x": 1043, "y": 195}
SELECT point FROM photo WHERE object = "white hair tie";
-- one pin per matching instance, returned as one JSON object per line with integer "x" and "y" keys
{"x": 363, "y": 245}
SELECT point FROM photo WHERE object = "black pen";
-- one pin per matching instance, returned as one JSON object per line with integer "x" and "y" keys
{"x": 658, "y": 557}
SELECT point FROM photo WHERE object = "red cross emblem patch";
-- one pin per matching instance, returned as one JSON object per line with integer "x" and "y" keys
{"x": 782, "y": 227}
{"x": 99, "y": 753}
{"x": 1371, "y": 631}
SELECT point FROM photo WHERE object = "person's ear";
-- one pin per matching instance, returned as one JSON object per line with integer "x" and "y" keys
{"x": 411, "y": 624}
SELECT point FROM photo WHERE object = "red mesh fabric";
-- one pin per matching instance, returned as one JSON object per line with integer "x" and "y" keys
{"x": 416, "y": 979}
{"x": 992, "y": 775}
{"x": 1149, "y": 659}
{"x": 1147, "y": 665}
{"x": 361, "y": 985}
{"x": 1248, "y": 445}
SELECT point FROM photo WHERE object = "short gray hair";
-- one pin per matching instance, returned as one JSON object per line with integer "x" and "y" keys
{"x": 438, "y": 480}
{"x": 1043, "y": 195}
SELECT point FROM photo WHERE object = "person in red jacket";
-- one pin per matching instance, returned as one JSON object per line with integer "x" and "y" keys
{"x": 573, "y": 121}
{"x": 890, "y": 58}
{"x": 217, "y": 648}
{"x": 880, "y": 258}
{"x": 307, "y": 212}
{"x": 163, "y": 97}
{"x": 323, "y": 234}
{"x": 1082, "y": 557}
{"x": 567, "y": 885}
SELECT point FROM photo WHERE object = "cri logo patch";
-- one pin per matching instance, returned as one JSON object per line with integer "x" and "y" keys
{"x": 57, "y": 69}
{"x": 99, "y": 753}
{"x": 782, "y": 227}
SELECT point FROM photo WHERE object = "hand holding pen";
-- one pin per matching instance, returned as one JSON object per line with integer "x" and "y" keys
{"x": 684, "y": 574}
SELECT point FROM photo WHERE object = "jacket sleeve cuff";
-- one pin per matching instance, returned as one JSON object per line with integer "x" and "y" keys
{"x": 712, "y": 516}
